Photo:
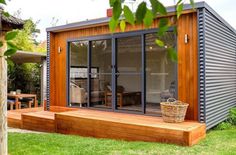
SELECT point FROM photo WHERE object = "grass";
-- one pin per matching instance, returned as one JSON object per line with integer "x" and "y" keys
{"x": 216, "y": 142}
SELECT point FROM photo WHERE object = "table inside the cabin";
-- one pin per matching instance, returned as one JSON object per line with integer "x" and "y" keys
{"x": 136, "y": 96}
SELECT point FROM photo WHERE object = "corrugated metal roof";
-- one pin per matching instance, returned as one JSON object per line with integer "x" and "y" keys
{"x": 105, "y": 20}
{"x": 28, "y": 57}
{"x": 11, "y": 19}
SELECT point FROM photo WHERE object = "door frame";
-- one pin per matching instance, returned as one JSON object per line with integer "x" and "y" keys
{"x": 113, "y": 38}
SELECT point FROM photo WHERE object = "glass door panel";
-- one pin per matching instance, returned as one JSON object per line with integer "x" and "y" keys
{"x": 160, "y": 72}
{"x": 101, "y": 71}
{"x": 78, "y": 73}
{"x": 128, "y": 73}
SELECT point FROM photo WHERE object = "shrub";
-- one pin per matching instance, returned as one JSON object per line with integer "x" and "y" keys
{"x": 232, "y": 116}
{"x": 230, "y": 122}
{"x": 224, "y": 126}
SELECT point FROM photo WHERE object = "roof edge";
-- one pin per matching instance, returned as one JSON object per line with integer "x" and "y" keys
{"x": 31, "y": 53}
{"x": 73, "y": 26}
{"x": 170, "y": 9}
{"x": 211, "y": 10}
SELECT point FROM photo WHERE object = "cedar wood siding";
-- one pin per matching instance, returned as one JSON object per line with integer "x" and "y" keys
{"x": 187, "y": 60}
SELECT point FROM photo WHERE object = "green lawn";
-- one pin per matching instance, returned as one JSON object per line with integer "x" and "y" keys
{"x": 217, "y": 142}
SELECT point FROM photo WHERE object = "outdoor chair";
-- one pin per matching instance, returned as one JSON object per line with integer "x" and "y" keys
{"x": 11, "y": 103}
{"x": 28, "y": 101}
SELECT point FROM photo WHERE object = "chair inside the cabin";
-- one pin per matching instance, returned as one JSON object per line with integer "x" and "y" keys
{"x": 169, "y": 93}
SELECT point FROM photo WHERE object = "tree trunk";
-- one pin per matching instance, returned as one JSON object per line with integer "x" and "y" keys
{"x": 3, "y": 100}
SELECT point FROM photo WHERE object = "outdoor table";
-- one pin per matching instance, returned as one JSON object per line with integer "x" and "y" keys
{"x": 19, "y": 96}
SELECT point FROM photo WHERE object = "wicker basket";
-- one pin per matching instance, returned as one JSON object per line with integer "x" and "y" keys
{"x": 173, "y": 111}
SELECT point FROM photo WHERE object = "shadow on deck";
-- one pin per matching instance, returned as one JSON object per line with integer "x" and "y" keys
{"x": 103, "y": 124}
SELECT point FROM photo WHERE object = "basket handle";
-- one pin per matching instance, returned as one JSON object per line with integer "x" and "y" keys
{"x": 171, "y": 100}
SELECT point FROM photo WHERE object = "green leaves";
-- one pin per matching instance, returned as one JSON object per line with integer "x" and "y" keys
{"x": 148, "y": 19}
{"x": 159, "y": 43}
{"x": 11, "y": 48}
{"x": 179, "y": 9}
{"x": 6, "y": 14}
{"x": 122, "y": 25}
{"x": 172, "y": 54}
{"x": 163, "y": 22}
{"x": 158, "y": 7}
{"x": 141, "y": 12}
{"x": 11, "y": 35}
{"x": 113, "y": 24}
{"x": 10, "y": 52}
{"x": 11, "y": 45}
{"x": 163, "y": 26}
{"x": 129, "y": 15}
{"x": 3, "y": 2}
{"x": 192, "y": 3}
{"x": 154, "y": 4}
{"x": 116, "y": 11}
{"x": 111, "y": 2}
{"x": 161, "y": 8}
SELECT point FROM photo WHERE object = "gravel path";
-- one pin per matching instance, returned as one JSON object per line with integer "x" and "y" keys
{"x": 23, "y": 131}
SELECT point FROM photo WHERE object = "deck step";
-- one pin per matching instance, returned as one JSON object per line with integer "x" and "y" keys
{"x": 104, "y": 124}
{"x": 43, "y": 121}
{"x": 14, "y": 116}
{"x": 129, "y": 127}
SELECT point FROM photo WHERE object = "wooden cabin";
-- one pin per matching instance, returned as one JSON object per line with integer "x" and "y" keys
{"x": 90, "y": 67}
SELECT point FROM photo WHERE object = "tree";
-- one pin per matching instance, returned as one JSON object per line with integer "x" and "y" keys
{"x": 3, "y": 93}
{"x": 26, "y": 38}
{"x": 7, "y": 48}
{"x": 27, "y": 73}
{"x": 5, "y": 51}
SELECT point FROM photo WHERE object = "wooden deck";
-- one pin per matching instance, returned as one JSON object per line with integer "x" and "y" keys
{"x": 14, "y": 116}
{"x": 102, "y": 124}
{"x": 39, "y": 121}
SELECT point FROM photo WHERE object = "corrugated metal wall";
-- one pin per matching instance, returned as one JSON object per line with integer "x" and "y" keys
{"x": 217, "y": 44}
{"x": 201, "y": 50}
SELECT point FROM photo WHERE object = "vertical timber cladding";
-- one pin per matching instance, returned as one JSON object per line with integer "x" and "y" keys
{"x": 51, "y": 73}
{"x": 220, "y": 69}
{"x": 187, "y": 63}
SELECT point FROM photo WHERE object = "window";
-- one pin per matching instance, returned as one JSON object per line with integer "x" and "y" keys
{"x": 78, "y": 73}
{"x": 122, "y": 70}
{"x": 101, "y": 59}
{"x": 160, "y": 72}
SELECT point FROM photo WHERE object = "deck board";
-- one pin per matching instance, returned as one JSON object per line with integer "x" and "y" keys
{"x": 128, "y": 127}
{"x": 43, "y": 121}
{"x": 14, "y": 116}
{"x": 104, "y": 124}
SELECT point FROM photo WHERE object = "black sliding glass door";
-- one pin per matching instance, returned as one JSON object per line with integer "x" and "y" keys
{"x": 160, "y": 72}
{"x": 101, "y": 74}
{"x": 129, "y": 73}
{"x": 78, "y": 73}
{"x": 123, "y": 72}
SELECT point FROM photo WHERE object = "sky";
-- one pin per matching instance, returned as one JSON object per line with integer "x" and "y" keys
{"x": 51, "y": 12}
